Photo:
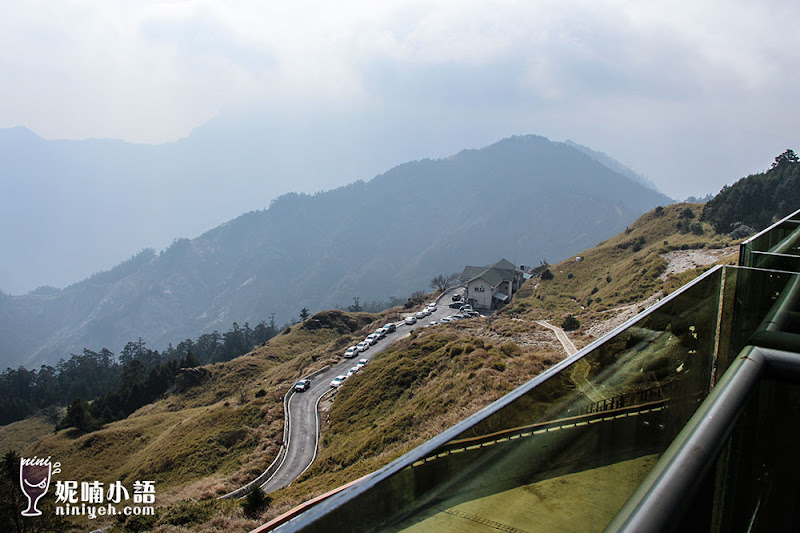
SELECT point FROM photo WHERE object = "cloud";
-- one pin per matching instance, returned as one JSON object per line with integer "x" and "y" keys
{"x": 630, "y": 78}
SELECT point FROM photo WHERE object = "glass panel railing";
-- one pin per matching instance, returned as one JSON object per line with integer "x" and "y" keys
{"x": 767, "y": 260}
{"x": 766, "y": 312}
{"x": 591, "y": 431}
{"x": 563, "y": 452}
{"x": 774, "y": 247}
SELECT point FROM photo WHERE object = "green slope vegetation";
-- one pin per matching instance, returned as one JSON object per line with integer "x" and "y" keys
{"x": 625, "y": 269}
{"x": 217, "y": 431}
{"x": 758, "y": 200}
{"x": 222, "y": 428}
{"x": 413, "y": 391}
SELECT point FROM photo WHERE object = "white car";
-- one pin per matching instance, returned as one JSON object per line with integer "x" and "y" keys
{"x": 380, "y": 332}
{"x": 421, "y": 315}
{"x": 372, "y": 339}
{"x": 362, "y": 362}
{"x": 351, "y": 352}
{"x": 432, "y": 307}
{"x": 445, "y": 320}
{"x": 410, "y": 320}
{"x": 362, "y": 346}
{"x": 338, "y": 380}
{"x": 352, "y": 371}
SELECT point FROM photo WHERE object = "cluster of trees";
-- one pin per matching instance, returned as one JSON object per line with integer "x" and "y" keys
{"x": 143, "y": 380}
{"x": 118, "y": 387}
{"x": 752, "y": 202}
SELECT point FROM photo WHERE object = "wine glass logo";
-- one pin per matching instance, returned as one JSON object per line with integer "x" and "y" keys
{"x": 34, "y": 479}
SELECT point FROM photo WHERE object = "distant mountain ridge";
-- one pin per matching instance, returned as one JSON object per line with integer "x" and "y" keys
{"x": 525, "y": 198}
{"x": 613, "y": 164}
{"x": 81, "y": 206}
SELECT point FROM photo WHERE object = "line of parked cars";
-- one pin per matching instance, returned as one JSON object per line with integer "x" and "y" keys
{"x": 338, "y": 380}
{"x": 373, "y": 338}
{"x": 426, "y": 311}
{"x": 465, "y": 311}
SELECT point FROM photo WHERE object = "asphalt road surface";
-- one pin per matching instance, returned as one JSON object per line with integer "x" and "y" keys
{"x": 303, "y": 407}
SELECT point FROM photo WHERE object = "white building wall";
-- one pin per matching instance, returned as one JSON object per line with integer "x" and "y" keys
{"x": 480, "y": 293}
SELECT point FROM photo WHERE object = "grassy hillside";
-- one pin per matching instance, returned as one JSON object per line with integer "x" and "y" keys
{"x": 625, "y": 269}
{"x": 438, "y": 377}
{"x": 416, "y": 389}
{"x": 208, "y": 439}
{"x": 19, "y": 435}
{"x": 215, "y": 436}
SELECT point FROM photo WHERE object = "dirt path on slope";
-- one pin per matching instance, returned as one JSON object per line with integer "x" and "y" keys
{"x": 682, "y": 260}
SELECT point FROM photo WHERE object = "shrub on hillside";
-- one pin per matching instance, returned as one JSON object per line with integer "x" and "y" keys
{"x": 570, "y": 323}
{"x": 740, "y": 231}
{"x": 255, "y": 503}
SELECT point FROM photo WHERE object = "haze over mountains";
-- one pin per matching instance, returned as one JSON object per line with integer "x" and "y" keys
{"x": 524, "y": 198}
{"x": 79, "y": 207}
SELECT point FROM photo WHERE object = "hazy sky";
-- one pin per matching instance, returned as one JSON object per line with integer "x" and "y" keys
{"x": 690, "y": 94}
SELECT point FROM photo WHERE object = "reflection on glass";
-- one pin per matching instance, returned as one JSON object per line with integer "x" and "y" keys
{"x": 568, "y": 453}
{"x": 564, "y": 452}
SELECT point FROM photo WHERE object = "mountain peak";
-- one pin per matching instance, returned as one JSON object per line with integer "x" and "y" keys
{"x": 525, "y": 198}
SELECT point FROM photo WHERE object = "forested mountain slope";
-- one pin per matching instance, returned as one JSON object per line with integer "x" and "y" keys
{"x": 524, "y": 198}
{"x": 758, "y": 200}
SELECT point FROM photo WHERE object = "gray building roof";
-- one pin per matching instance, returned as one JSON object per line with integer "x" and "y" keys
{"x": 494, "y": 274}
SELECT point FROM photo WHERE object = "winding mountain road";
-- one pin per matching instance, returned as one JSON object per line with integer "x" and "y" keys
{"x": 303, "y": 407}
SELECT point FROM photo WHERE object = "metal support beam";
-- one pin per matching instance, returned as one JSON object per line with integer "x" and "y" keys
{"x": 664, "y": 493}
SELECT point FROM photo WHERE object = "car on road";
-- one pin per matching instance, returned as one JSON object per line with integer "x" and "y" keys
{"x": 432, "y": 306}
{"x": 455, "y": 305}
{"x": 466, "y": 307}
{"x": 472, "y": 314}
{"x": 362, "y": 362}
{"x": 380, "y": 332}
{"x": 420, "y": 315}
{"x": 351, "y": 352}
{"x": 362, "y": 346}
{"x": 390, "y": 327}
{"x": 456, "y": 298}
{"x": 372, "y": 339}
{"x": 338, "y": 380}
{"x": 302, "y": 385}
{"x": 410, "y": 320}
{"x": 352, "y": 371}
{"x": 433, "y": 323}
{"x": 445, "y": 320}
